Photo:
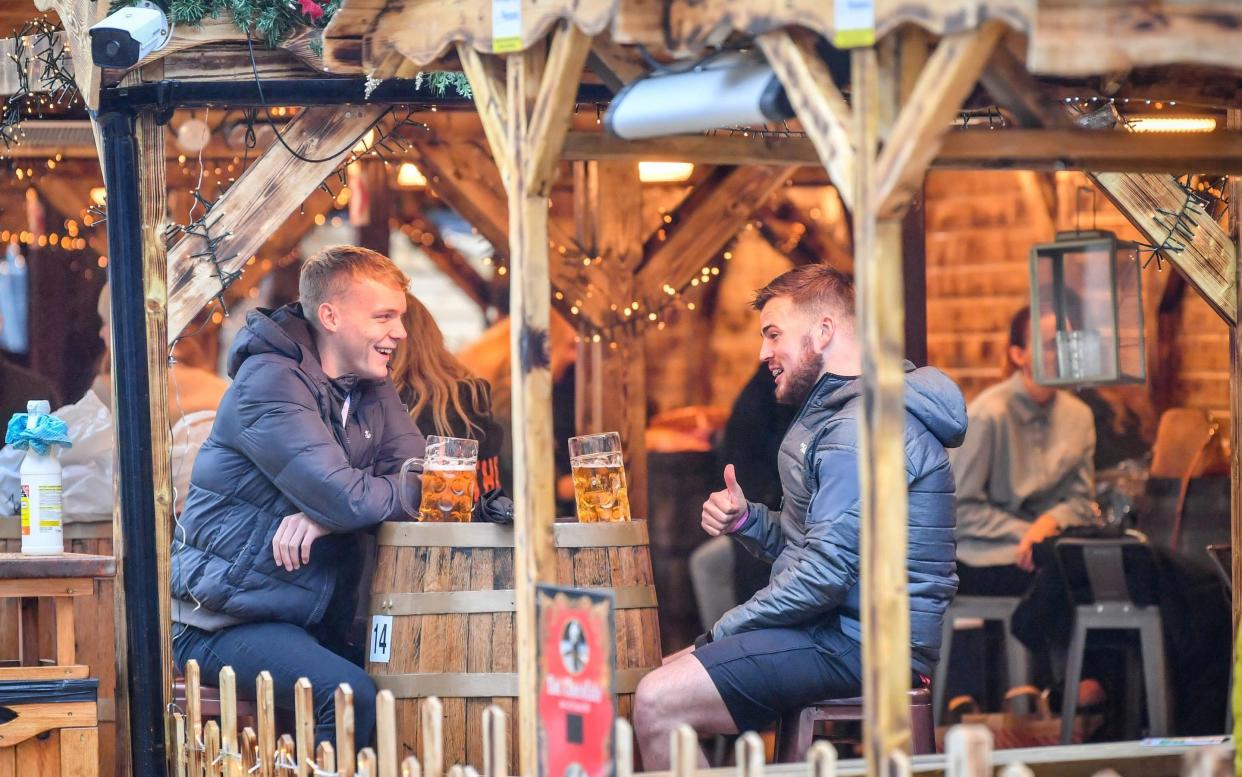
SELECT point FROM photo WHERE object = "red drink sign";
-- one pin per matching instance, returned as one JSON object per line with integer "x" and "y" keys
{"x": 577, "y": 707}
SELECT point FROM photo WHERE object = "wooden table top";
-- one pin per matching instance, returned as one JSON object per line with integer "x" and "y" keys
{"x": 15, "y": 566}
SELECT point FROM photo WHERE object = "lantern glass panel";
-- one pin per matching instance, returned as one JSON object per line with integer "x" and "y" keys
{"x": 1087, "y": 326}
{"x": 1131, "y": 351}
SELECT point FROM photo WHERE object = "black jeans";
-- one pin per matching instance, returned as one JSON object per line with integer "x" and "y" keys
{"x": 288, "y": 653}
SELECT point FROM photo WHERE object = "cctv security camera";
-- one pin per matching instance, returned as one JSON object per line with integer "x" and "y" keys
{"x": 124, "y": 38}
{"x": 732, "y": 89}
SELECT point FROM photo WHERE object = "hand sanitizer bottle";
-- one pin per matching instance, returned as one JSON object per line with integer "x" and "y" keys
{"x": 42, "y": 534}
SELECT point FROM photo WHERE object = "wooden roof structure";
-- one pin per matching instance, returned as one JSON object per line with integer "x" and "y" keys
{"x": 905, "y": 92}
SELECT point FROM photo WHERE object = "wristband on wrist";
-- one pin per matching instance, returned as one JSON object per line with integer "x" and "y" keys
{"x": 740, "y": 522}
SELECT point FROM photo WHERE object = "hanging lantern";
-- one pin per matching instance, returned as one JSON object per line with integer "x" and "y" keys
{"x": 1087, "y": 310}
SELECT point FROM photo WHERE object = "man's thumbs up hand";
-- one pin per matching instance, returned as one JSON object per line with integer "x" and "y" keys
{"x": 723, "y": 508}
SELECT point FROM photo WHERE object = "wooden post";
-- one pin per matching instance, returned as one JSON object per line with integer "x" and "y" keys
{"x": 367, "y": 763}
{"x": 211, "y": 749}
{"x": 345, "y": 729}
{"x": 386, "y": 733}
{"x": 194, "y": 711}
{"x": 495, "y": 731}
{"x": 153, "y": 193}
{"x": 525, "y": 121}
{"x": 822, "y": 760}
{"x": 1233, "y": 120}
{"x": 749, "y": 755}
{"x": 684, "y": 747}
{"x": 612, "y": 375}
{"x": 304, "y": 725}
{"x": 266, "y": 714}
{"x": 432, "y": 722}
{"x": 624, "y": 744}
{"x": 228, "y": 723}
{"x": 179, "y": 745}
{"x": 968, "y": 752}
{"x": 325, "y": 758}
{"x": 880, "y": 325}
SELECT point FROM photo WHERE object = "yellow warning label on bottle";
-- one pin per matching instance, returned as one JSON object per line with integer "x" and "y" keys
{"x": 49, "y": 506}
{"x": 25, "y": 511}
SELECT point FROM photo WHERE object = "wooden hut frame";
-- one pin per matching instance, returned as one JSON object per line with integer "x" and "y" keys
{"x": 904, "y": 95}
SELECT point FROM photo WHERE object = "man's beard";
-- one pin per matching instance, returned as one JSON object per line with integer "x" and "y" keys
{"x": 800, "y": 379}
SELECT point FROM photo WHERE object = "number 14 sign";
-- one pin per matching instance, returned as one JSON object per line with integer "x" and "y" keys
{"x": 381, "y": 639}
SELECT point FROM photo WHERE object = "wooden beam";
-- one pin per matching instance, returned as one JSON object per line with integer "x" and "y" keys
{"x": 492, "y": 104}
{"x": 817, "y": 102}
{"x": 424, "y": 31}
{"x": 1233, "y": 120}
{"x": 1209, "y": 257}
{"x": 281, "y": 182}
{"x": 231, "y": 62}
{"x": 707, "y": 220}
{"x": 690, "y": 25}
{"x": 465, "y": 178}
{"x": 551, "y": 115}
{"x": 915, "y": 138}
{"x": 1017, "y": 91}
{"x": 616, "y": 66}
{"x": 882, "y": 473}
{"x": 699, "y": 149}
{"x": 153, "y": 193}
{"x": 1071, "y": 38}
{"x": 77, "y": 17}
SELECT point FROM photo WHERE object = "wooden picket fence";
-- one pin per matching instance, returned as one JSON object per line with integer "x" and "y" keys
{"x": 216, "y": 748}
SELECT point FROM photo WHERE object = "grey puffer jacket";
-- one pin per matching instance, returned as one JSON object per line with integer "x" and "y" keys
{"x": 280, "y": 446}
{"x": 813, "y": 541}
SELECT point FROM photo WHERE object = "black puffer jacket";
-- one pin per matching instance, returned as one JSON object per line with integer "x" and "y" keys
{"x": 278, "y": 447}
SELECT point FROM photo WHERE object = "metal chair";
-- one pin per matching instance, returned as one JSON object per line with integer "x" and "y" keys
{"x": 797, "y": 728}
{"x": 1105, "y": 598}
{"x": 988, "y": 609}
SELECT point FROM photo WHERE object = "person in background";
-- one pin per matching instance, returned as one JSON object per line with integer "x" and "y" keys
{"x": 1024, "y": 472}
{"x": 441, "y": 395}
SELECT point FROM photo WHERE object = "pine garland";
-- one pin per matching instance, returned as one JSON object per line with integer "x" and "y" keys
{"x": 275, "y": 20}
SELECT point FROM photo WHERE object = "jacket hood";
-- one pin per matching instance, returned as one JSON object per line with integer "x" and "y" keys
{"x": 931, "y": 396}
{"x": 284, "y": 332}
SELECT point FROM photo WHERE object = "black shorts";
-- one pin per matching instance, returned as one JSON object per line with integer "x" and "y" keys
{"x": 763, "y": 674}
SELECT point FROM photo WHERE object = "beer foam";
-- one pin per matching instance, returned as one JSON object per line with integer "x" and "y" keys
{"x": 451, "y": 465}
{"x": 597, "y": 461}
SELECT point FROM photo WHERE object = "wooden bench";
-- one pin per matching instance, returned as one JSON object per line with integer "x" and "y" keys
{"x": 51, "y": 720}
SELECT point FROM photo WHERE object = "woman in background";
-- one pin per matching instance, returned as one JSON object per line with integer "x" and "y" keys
{"x": 441, "y": 395}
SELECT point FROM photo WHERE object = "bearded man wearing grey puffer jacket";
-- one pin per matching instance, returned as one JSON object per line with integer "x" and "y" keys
{"x": 302, "y": 462}
{"x": 796, "y": 641}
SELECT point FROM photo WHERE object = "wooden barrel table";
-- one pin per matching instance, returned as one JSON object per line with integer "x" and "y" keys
{"x": 449, "y": 588}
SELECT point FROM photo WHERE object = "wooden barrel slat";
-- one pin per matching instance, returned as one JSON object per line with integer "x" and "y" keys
{"x": 455, "y": 639}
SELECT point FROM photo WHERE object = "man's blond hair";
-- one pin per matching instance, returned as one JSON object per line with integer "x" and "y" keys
{"x": 327, "y": 274}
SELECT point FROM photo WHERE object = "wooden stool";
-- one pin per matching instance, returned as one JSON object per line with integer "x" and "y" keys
{"x": 209, "y": 703}
{"x": 797, "y": 728}
{"x": 67, "y": 706}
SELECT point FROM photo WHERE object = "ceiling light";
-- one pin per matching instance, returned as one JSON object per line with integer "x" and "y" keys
{"x": 410, "y": 177}
{"x": 664, "y": 172}
{"x": 99, "y": 196}
{"x": 1172, "y": 124}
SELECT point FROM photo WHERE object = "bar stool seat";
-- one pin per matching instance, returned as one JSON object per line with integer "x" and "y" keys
{"x": 1096, "y": 581}
{"x": 797, "y": 728}
{"x": 209, "y": 703}
{"x": 998, "y": 609}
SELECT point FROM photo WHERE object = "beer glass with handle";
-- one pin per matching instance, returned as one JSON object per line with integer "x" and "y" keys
{"x": 448, "y": 479}
{"x": 599, "y": 478}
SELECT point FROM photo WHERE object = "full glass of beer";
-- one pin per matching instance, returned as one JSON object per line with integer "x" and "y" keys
{"x": 599, "y": 478}
{"x": 448, "y": 478}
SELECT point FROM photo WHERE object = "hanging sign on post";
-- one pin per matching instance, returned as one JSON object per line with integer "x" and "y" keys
{"x": 506, "y": 26}
{"x": 854, "y": 23}
{"x": 577, "y": 663}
